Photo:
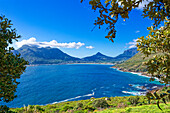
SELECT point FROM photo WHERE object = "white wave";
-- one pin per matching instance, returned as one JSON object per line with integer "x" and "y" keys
{"x": 140, "y": 74}
{"x": 154, "y": 87}
{"x": 87, "y": 95}
{"x": 134, "y": 92}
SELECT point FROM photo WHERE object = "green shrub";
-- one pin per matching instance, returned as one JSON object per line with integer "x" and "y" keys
{"x": 134, "y": 100}
{"x": 65, "y": 108}
{"x": 39, "y": 108}
{"x": 81, "y": 111}
{"x": 4, "y": 108}
{"x": 89, "y": 108}
{"x": 100, "y": 103}
{"x": 79, "y": 105}
{"x": 128, "y": 103}
{"x": 128, "y": 109}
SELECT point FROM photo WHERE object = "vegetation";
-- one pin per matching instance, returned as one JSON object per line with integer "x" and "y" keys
{"x": 157, "y": 41}
{"x": 139, "y": 109}
{"x": 135, "y": 64}
{"x": 11, "y": 66}
{"x": 133, "y": 103}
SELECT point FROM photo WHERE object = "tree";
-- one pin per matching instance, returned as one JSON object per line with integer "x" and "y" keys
{"x": 11, "y": 66}
{"x": 157, "y": 41}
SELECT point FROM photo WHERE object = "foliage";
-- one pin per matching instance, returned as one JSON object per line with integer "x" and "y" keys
{"x": 11, "y": 66}
{"x": 65, "y": 108}
{"x": 79, "y": 105}
{"x": 111, "y": 10}
{"x": 134, "y": 100}
{"x": 139, "y": 109}
{"x": 76, "y": 106}
{"x": 158, "y": 39}
{"x": 100, "y": 103}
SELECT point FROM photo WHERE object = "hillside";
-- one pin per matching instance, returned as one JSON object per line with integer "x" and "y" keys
{"x": 46, "y": 55}
{"x": 134, "y": 104}
{"x": 126, "y": 54}
{"x": 98, "y": 57}
{"x": 36, "y": 55}
{"x": 134, "y": 64}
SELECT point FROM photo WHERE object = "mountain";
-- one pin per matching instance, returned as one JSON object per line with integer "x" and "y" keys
{"x": 126, "y": 54}
{"x": 36, "y": 55}
{"x": 47, "y": 55}
{"x": 99, "y": 58}
{"x": 135, "y": 64}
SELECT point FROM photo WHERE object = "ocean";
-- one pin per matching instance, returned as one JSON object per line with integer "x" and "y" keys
{"x": 49, "y": 84}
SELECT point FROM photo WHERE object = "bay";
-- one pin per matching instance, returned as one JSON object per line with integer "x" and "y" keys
{"x": 49, "y": 84}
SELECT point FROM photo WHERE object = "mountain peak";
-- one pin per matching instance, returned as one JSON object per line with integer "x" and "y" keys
{"x": 98, "y": 53}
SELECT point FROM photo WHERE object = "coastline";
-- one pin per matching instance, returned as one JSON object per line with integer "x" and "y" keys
{"x": 70, "y": 63}
{"x": 138, "y": 73}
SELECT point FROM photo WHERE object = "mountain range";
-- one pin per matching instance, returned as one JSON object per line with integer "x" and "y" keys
{"x": 36, "y": 55}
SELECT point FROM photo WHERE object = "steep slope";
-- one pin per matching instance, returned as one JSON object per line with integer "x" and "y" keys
{"x": 135, "y": 63}
{"x": 126, "y": 54}
{"x": 47, "y": 55}
{"x": 99, "y": 58}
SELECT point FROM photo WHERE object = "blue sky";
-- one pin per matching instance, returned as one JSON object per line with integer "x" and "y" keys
{"x": 69, "y": 23}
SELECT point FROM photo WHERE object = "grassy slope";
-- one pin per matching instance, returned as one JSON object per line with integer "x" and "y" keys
{"x": 135, "y": 63}
{"x": 140, "y": 109}
{"x": 116, "y": 104}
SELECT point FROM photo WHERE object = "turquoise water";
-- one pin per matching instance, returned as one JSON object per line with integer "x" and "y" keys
{"x": 48, "y": 84}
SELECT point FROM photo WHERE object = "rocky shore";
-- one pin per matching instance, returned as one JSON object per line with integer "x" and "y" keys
{"x": 126, "y": 70}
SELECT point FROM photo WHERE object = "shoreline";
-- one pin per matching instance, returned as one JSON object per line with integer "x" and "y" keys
{"x": 70, "y": 63}
{"x": 138, "y": 73}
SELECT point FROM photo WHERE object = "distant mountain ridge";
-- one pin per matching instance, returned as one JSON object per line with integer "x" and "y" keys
{"x": 98, "y": 57}
{"x": 127, "y": 54}
{"x": 48, "y": 55}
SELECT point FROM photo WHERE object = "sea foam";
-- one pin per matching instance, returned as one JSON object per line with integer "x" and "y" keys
{"x": 87, "y": 95}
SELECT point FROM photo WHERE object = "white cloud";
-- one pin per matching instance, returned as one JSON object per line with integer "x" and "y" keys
{"x": 142, "y": 5}
{"x": 52, "y": 44}
{"x": 132, "y": 44}
{"x": 89, "y": 47}
{"x": 137, "y": 31}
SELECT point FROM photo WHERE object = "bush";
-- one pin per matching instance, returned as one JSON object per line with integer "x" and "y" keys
{"x": 79, "y": 105}
{"x": 100, "y": 103}
{"x": 3, "y": 109}
{"x": 121, "y": 105}
{"x": 39, "y": 108}
{"x": 81, "y": 111}
{"x": 128, "y": 103}
{"x": 65, "y": 108}
{"x": 89, "y": 108}
{"x": 134, "y": 100}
